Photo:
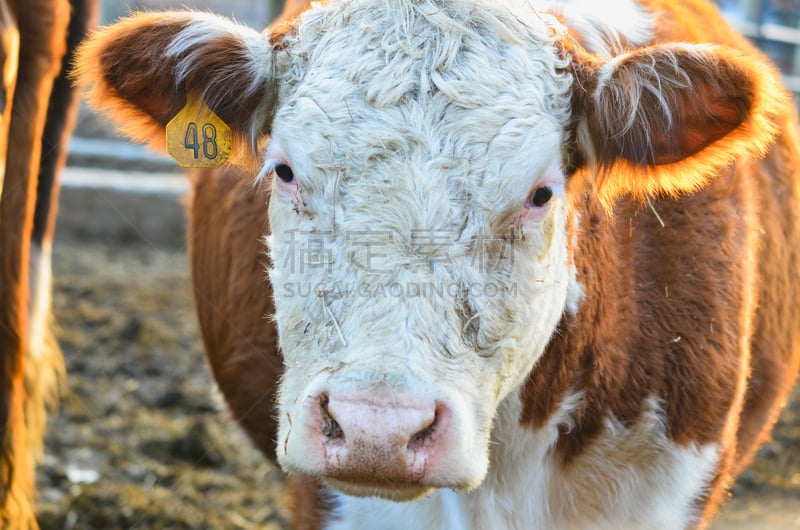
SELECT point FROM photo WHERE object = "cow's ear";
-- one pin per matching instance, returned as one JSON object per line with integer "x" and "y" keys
{"x": 140, "y": 69}
{"x": 665, "y": 119}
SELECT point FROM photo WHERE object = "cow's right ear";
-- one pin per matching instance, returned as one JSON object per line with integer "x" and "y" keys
{"x": 139, "y": 70}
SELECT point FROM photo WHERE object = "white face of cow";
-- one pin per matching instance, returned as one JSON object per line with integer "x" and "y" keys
{"x": 418, "y": 245}
{"x": 419, "y": 239}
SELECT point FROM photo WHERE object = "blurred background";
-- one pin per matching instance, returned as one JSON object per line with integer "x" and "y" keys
{"x": 774, "y": 25}
{"x": 141, "y": 439}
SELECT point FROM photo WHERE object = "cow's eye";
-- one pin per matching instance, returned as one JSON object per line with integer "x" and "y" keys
{"x": 284, "y": 172}
{"x": 540, "y": 197}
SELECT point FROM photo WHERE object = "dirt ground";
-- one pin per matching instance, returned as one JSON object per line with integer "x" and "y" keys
{"x": 142, "y": 441}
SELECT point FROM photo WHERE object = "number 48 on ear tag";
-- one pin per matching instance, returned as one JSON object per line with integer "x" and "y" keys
{"x": 196, "y": 137}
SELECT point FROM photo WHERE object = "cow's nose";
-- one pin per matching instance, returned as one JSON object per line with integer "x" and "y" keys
{"x": 372, "y": 439}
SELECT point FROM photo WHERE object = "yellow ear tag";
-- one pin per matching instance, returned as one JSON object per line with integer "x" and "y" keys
{"x": 196, "y": 137}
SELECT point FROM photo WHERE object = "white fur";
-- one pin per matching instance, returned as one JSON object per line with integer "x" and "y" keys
{"x": 627, "y": 479}
{"x": 207, "y": 27}
{"x": 454, "y": 514}
{"x": 605, "y": 27}
{"x": 376, "y": 165}
{"x": 41, "y": 279}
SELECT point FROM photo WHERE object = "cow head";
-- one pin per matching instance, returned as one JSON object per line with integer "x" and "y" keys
{"x": 420, "y": 154}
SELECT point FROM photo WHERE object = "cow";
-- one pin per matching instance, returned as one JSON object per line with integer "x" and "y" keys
{"x": 38, "y": 105}
{"x": 529, "y": 266}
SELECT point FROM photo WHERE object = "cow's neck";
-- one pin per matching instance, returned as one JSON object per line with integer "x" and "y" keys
{"x": 530, "y": 486}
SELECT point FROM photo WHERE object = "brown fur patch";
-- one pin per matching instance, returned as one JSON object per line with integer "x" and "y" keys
{"x": 647, "y": 321}
{"x": 310, "y": 505}
{"x": 227, "y": 221}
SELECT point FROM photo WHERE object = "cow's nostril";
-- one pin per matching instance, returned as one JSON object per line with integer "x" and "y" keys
{"x": 330, "y": 427}
{"x": 421, "y": 437}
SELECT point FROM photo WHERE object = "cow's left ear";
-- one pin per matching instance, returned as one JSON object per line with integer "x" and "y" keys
{"x": 663, "y": 120}
{"x": 140, "y": 71}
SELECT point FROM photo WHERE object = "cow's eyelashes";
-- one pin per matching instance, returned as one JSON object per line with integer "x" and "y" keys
{"x": 284, "y": 172}
{"x": 540, "y": 197}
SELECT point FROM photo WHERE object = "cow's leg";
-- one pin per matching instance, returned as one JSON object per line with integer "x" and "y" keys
{"x": 44, "y": 366}
{"x": 42, "y": 40}
{"x": 9, "y": 52}
{"x": 11, "y": 314}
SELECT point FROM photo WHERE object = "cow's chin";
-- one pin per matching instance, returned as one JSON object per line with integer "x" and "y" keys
{"x": 402, "y": 493}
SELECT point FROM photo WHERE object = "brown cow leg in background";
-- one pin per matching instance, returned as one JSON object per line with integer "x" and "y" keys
{"x": 61, "y": 114}
{"x": 44, "y": 366}
{"x": 42, "y": 28}
{"x": 9, "y": 53}
{"x": 10, "y": 315}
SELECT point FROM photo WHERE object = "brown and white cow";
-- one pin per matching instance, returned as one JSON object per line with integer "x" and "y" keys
{"x": 37, "y": 107}
{"x": 532, "y": 267}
